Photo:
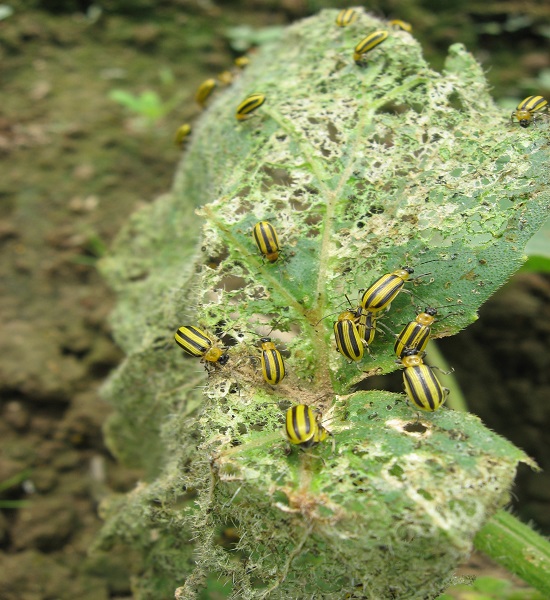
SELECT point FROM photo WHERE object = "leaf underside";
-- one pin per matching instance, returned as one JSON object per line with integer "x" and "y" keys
{"x": 361, "y": 170}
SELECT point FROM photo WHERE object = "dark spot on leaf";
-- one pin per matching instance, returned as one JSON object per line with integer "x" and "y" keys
{"x": 416, "y": 427}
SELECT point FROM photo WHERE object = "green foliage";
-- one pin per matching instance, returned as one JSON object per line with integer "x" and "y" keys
{"x": 5, "y": 11}
{"x": 538, "y": 251}
{"x": 490, "y": 588}
{"x": 94, "y": 248}
{"x": 10, "y": 483}
{"x": 148, "y": 105}
{"x": 216, "y": 589}
{"x": 243, "y": 37}
{"x": 361, "y": 170}
{"x": 527, "y": 554}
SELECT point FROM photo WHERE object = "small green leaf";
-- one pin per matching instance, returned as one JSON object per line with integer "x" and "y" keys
{"x": 5, "y": 11}
{"x": 536, "y": 264}
{"x": 14, "y": 480}
{"x": 124, "y": 98}
{"x": 243, "y": 37}
{"x": 490, "y": 585}
{"x": 539, "y": 244}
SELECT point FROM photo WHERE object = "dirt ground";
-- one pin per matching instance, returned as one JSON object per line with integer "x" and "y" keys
{"x": 75, "y": 164}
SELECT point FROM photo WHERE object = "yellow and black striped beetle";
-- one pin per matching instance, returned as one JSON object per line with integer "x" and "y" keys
{"x": 182, "y": 133}
{"x": 267, "y": 241}
{"x": 303, "y": 428}
{"x": 528, "y": 110}
{"x": 346, "y": 335}
{"x": 242, "y": 61}
{"x": 248, "y": 105}
{"x": 196, "y": 342}
{"x": 416, "y": 334}
{"x": 365, "y": 321}
{"x": 401, "y": 25}
{"x": 346, "y": 17}
{"x": 225, "y": 77}
{"x": 384, "y": 290}
{"x": 273, "y": 366}
{"x": 366, "y": 44}
{"x": 205, "y": 89}
{"x": 422, "y": 386}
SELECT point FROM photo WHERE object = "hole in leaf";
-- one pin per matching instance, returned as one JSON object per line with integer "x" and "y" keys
{"x": 276, "y": 176}
{"x": 217, "y": 586}
{"x": 228, "y": 536}
{"x": 213, "y": 262}
{"x": 393, "y": 108}
{"x": 374, "y": 209}
{"x": 416, "y": 427}
{"x": 333, "y": 134}
{"x": 230, "y": 283}
{"x": 455, "y": 101}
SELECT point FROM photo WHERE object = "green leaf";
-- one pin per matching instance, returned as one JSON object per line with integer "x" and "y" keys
{"x": 242, "y": 37}
{"x": 148, "y": 104}
{"x": 490, "y": 585}
{"x": 538, "y": 251}
{"x": 5, "y": 11}
{"x": 14, "y": 480}
{"x": 539, "y": 244}
{"x": 527, "y": 554}
{"x": 536, "y": 264}
{"x": 361, "y": 170}
{"x": 151, "y": 104}
{"x": 125, "y": 98}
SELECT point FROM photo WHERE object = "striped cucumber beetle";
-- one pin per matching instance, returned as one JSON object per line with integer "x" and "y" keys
{"x": 528, "y": 110}
{"x": 242, "y": 61}
{"x": 205, "y": 89}
{"x": 401, "y": 25}
{"x": 273, "y": 366}
{"x": 182, "y": 133}
{"x": 267, "y": 241}
{"x": 248, "y": 105}
{"x": 384, "y": 290}
{"x": 348, "y": 341}
{"x": 303, "y": 428}
{"x": 416, "y": 334}
{"x": 346, "y": 17}
{"x": 366, "y": 44}
{"x": 354, "y": 330}
{"x": 365, "y": 321}
{"x": 196, "y": 342}
{"x": 422, "y": 386}
{"x": 225, "y": 77}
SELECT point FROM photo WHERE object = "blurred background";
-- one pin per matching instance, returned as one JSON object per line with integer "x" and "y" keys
{"x": 91, "y": 96}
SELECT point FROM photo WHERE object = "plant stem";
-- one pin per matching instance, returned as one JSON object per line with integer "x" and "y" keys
{"x": 14, "y": 504}
{"x": 14, "y": 480}
{"x": 505, "y": 539}
{"x": 518, "y": 548}
{"x": 456, "y": 399}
